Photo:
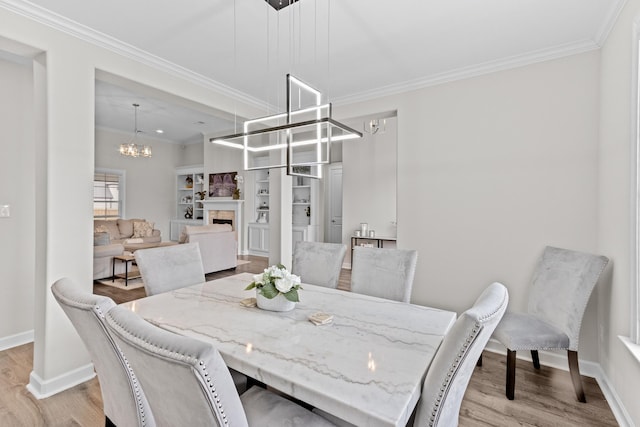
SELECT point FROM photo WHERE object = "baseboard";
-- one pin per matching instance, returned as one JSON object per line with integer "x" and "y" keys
{"x": 42, "y": 389}
{"x": 588, "y": 369}
{"x": 16, "y": 340}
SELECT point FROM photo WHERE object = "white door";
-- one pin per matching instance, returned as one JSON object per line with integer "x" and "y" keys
{"x": 334, "y": 218}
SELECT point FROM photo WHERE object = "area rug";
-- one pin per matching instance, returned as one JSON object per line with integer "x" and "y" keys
{"x": 138, "y": 283}
{"x": 119, "y": 283}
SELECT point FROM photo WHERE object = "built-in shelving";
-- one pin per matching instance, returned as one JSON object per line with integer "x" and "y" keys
{"x": 190, "y": 193}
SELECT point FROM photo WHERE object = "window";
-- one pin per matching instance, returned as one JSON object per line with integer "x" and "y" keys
{"x": 108, "y": 193}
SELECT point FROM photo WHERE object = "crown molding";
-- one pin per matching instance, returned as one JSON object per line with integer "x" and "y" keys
{"x": 65, "y": 25}
{"x": 611, "y": 17}
{"x": 89, "y": 35}
{"x": 515, "y": 61}
{"x": 491, "y": 67}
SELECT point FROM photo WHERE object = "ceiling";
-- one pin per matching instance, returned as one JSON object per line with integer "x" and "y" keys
{"x": 349, "y": 49}
{"x": 181, "y": 121}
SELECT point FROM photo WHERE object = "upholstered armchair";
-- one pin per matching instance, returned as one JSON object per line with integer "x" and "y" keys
{"x": 125, "y": 404}
{"x": 218, "y": 245}
{"x": 167, "y": 268}
{"x": 560, "y": 288}
{"x": 383, "y": 273}
{"x": 188, "y": 383}
{"x": 318, "y": 263}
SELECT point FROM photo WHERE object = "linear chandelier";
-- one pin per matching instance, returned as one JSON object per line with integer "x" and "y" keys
{"x": 298, "y": 140}
{"x": 132, "y": 148}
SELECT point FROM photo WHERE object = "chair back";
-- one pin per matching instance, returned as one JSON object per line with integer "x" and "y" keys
{"x": 186, "y": 381}
{"x": 166, "y": 268}
{"x": 561, "y": 286}
{"x": 384, "y": 273}
{"x": 124, "y": 402}
{"x": 449, "y": 374}
{"x": 318, "y": 263}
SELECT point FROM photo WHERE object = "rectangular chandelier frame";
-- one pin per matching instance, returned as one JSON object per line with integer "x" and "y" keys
{"x": 302, "y": 144}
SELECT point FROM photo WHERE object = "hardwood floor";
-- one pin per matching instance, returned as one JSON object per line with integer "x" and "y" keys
{"x": 543, "y": 398}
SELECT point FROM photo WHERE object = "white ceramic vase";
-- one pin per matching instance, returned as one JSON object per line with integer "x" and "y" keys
{"x": 278, "y": 303}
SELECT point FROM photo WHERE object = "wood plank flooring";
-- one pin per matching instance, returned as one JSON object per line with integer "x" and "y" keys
{"x": 543, "y": 398}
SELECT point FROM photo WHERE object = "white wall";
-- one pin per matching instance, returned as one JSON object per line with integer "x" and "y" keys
{"x": 150, "y": 182}
{"x": 369, "y": 184}
{"x": 192, "y": 154}
{"x": 17, "y": 189}
{"x": 490, "y": 170}
{"x": 614, "y": 207}
{"x": 65, "y": 134}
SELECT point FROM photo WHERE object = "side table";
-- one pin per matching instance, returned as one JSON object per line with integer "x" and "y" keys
{"x": 128, "y": 260}
{"x": 379, "y": 242}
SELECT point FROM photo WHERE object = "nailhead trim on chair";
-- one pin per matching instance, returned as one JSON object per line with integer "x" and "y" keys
{"x": 213, "y": 391}
{"x": 178, "y": 356}
{"x": 134, "y": 379}
{"x": 451, "y": 372}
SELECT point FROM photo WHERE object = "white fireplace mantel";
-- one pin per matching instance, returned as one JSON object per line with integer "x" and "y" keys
{"x": 226, "y": 205}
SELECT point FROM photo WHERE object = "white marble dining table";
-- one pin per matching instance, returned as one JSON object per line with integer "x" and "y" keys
{"x": 366, "y": 367}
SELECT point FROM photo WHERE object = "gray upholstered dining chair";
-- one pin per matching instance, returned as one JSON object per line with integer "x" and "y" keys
{"x": 125, "y": 404}
{"x": 187, "y": 382}
{"x": 449, "y": 374}
{"x": 560, "y": 288}
{"x": 384, "y": 273}
{"x": 166, "y": 268}
{"x": 318, "y": 263}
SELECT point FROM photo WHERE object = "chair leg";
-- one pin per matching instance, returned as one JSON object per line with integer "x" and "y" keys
{"x": 479, "y": 362}
{"x": 535, "y": 358}
{"x": 511, "y": 374}
{"x": 574, "y": 370}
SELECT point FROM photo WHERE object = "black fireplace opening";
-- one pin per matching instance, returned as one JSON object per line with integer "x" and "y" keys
{"x": 222, "y": 221}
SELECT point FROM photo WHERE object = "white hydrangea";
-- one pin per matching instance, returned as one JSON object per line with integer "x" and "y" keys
{"x": 286, "y": 282}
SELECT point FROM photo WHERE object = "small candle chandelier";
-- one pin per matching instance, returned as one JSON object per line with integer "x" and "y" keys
{"x": 132, "y": 148}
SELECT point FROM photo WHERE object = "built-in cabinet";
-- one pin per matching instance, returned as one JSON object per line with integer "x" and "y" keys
{"x": 305, "y": 208}
{"x": 190, "y": 193}
{"x": 258, "y": 239}
{"x": 262, "y": 196}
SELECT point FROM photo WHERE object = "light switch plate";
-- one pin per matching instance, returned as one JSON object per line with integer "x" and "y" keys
{"x": 5, "y": 211}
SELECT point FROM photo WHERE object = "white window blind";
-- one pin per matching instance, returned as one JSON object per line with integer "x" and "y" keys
{"x": 108, "y": 193}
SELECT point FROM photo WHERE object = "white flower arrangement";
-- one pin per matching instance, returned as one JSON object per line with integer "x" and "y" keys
{"x": 276, "y": 280}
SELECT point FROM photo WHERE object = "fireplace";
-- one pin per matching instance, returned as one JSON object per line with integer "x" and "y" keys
{"x": 222, "y": 217}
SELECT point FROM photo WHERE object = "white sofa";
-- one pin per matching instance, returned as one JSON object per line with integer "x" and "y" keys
{"x": 109, "y": 239}
{"x": 103, "y": 260}
{"x": 218, "y": 245}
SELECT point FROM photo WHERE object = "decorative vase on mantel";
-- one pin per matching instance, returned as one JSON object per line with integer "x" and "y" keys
{"x": 277, "y": 303}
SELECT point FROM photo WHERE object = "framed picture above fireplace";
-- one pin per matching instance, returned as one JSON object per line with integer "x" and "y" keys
{"x": 222, "y": 184}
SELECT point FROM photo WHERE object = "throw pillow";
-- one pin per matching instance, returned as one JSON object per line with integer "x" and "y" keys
{"x": 142, "y": 229}
{"x": 126, "y": 227}
{"x": 101, "y": 229}
{"x": 110, "y": 226}
{"x": 101, "y": 238}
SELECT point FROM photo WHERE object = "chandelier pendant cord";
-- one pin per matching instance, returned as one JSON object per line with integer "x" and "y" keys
{"x": 235, "y": 66}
